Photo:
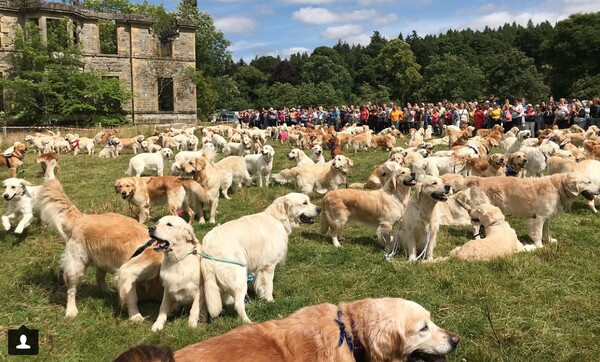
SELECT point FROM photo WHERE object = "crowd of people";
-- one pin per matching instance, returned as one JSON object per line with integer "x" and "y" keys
{"x": 519, "y": 113}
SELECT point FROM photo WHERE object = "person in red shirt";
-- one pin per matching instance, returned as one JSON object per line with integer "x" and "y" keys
{"x": 478, "y": 117}
{"x": 364, "y": 115}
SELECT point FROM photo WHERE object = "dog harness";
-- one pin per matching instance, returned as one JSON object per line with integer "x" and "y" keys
{"x": 354, "y": 344}
{"x": 473, "y": 148}
{"x": 7, "y": 158}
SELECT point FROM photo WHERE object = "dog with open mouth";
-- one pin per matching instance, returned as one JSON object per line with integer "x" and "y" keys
{"x": 379, "y": 209}
{"x": 420, "y": 223}
{"x": 387, "y": 329}
{"x": 253, "y": 244}
{"x": 180, "y": 270}
{"x": 317, "y": 154}
{"x": 20, "y": 195}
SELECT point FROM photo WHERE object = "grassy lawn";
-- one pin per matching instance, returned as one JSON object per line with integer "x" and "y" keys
{"x": 540, "y": 306}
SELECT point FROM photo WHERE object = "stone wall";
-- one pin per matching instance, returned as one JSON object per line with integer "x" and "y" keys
{"x": 136, "y": 62}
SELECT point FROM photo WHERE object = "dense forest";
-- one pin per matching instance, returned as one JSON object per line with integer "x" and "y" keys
{"x": 533, "y": 61}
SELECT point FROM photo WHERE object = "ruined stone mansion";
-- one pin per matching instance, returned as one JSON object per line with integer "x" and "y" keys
{"x": 157, "y": 74}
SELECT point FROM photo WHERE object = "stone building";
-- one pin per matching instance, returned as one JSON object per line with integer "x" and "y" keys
{"x": 157, "y": 74}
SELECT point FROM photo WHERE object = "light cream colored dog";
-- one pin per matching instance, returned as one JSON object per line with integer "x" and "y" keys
{"x": 318, "y": 177}
{"x": 180, "y": 270}
{"x": 419, "y": 225}
{"x": 379, "y": 209}
{"x": 20, "y": 195}
{"x": 149, "y": 161}
{"x": 379, "y": 176}
{"x": 500, "y": 240}
{"x": 589, "y": 167}
{"x": 537, "y": 199}
{"x": 389, "y": 329}
{"x": 298, "y": 156}
{"x": 258, "y": 242}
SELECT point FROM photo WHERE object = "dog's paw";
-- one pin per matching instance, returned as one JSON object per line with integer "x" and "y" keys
{"x": 156, "y": 327}
{"x": 71, "y": 313}
{"x": 136, "y": 318}
{"x": 529, "y": 247}
{"x": 193, "y": 323}
{"x": 553, "y": 240}
{"x": 6, "y": 225}
{"x": 19, "y": 230}
{"x": 246, "y": 320}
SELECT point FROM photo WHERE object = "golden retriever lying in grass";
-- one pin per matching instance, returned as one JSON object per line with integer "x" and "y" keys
{"x": 259, "y": 243}
{"x": 180, "y": 270}
{"x": 379, "y": 209}
{"x": 104, "y": 241}
{"x": 389, "y": 329}
{"x": 500, "y": 240}
{"x": 537, "y": 199}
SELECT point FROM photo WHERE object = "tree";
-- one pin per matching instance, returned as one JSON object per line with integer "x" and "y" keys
{"x": 266, "y": 64}
{"x": 278, "y": 95}
{"x": 248, "y": 80}
{"x": 513, "y": 75}
{"x": 452, "y": 77}
{"x": 206, "y": 96}
{"x": 587, "y": 87}
{"x": 573, "y": 50}
{"x": 285, "y": 72}
{"x": 45, "y": 84}
{"x": 401, "y": 66}
{"x": 320, "y": 68}
{"x": 366, "y": 93}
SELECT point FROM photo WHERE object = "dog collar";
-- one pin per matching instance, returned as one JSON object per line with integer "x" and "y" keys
{"x": 510, "y": 172}
{"x": 141, "y": 249}
{"x": 473, "y": 148}
{"x": 354, "y": 344}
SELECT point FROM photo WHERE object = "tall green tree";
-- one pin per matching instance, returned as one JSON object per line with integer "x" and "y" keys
{"x": 401, "y": 66}
{"x": 452, "y": 77}
{"x": 513, "y": 75}
{"x": 321, "y": 69}
{"x": 573, "y": 51}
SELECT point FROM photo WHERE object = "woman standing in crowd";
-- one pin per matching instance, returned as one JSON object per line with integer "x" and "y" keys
{"x": 478, "y": 117}
{"x": 539, "y": 116}
{"x": 396, "y": 116}
{"x": 529, "y": 116}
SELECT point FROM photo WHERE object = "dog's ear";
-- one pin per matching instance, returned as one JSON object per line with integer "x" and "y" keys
{"x": 25, "y": 183}
{"x": 418, "y": 189}
{"x": 116, "y": 186}
{"x": 350, "y": 163}
{"x": 191, "y": 237}
{"x": 571, "y": 184}
{"x": 386, "y": 343}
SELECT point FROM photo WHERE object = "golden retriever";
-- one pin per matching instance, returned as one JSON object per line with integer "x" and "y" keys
{"x": 420, "y": 224}
{"x": 589, "y": 167}
{"x": 388, "y": 329}
{"x": 500, "y": 240}
{"x": 537, "y": 199}
{"x": 258, "y": 242}
{"x": 143, "y": 192}
{"x": 49, "y": 164}
{"x": 379, "y": 176}
{"x": 379, "y": 209}
{"x": 13, "y": 158}
{"x": 180, "y": 270}
{"x": 298, "y": 156}
{"x": 515, "y": 164}
{"x": 105, "y": 241}
{"x": 318, "y": 177}
{"x": 495, "y": 165}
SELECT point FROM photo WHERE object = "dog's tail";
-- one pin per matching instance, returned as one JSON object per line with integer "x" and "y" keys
{"x": 212, "y": 294}
{"x": 286, "y": 175}
{"x": 56, "y": 209}
{"x": 129, "y": 171}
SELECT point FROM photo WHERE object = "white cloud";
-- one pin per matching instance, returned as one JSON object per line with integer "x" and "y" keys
{"x": 235, "y": 24}
{"x": 286, "y": 53}
{"x": 312, "y": 15}
{"x": 245, "y": 45}
{"x": 371, "y": 2}
{"x": 362, "y": 39}
{"x": 387, "y": 19}
{"x": 362, "y": 15}
{"x": 341, "y": 32}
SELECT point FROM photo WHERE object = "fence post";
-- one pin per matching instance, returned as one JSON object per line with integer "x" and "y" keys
{"x": 4, "y": 131}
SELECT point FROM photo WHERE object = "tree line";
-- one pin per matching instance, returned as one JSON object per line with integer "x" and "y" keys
{"x": 513, "y": 61}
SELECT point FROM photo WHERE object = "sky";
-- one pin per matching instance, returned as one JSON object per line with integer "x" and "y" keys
{"x": 283, "y": 27}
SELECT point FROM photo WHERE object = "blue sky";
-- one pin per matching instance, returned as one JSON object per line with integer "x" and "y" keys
{"x": 282, "y": 27}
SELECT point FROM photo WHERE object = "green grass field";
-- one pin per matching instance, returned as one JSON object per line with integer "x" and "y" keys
{"x": 540, "y": 306}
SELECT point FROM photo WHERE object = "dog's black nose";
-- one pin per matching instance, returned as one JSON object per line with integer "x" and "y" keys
{"x": 318, "y": 210}
{"x": 454, "y": 339}
{"x": 447, "y": 188}
{"x": 413, "y": 175}
{"x": 6, "y": 196}
{"x": 152, "y": 228}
